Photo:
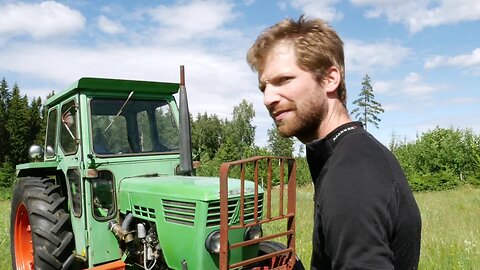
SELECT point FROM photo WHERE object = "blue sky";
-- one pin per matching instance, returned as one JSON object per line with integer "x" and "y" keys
{"x": 423, "y": 56}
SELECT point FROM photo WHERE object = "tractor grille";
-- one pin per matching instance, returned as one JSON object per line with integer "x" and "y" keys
{"x": 146, "y": 212}
{"x": 179, "y": 212}
{"x": 213, "y": 217}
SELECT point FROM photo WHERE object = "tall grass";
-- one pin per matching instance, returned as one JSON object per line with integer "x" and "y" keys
{"x": 450, "y": 229}
{"x": 5, "y": 235}
{"x": 450, "y": 235}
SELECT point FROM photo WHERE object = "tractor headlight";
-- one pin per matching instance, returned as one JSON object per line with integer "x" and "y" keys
{"x": 212, "y": 244}
{"x": 253, "y": 232}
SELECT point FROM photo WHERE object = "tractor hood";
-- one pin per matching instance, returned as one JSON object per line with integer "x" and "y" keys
{"x": 183, "y": 187}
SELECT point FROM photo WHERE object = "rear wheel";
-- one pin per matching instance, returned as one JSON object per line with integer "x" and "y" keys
{"x": 268, "y": 247}
{"x": 40, "y": 229}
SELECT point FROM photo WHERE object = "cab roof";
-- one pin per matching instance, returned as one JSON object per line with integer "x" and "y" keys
{"x": 114, "y": 86}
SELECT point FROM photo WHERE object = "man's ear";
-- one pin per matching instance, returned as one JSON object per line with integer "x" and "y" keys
{"x": 332, "y": 80}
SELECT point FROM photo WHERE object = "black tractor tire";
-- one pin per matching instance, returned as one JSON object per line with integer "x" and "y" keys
{"x": 268, "y": 247}
{"x": 40, "y": 228}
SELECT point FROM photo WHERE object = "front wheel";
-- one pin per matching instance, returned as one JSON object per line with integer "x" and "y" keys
{"x": 268, "y": 247}
{"x": 40, "y": 229}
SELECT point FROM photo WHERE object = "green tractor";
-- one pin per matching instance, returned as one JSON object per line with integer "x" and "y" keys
{"x": 114, "y": 187}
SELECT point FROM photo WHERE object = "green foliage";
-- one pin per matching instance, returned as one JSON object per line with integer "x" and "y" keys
{"x": 7, "y": 175}
{"x": 17, "y": 126}
{"x": 36, "y": 127}
{"x": 21, "y": 125}
{"x": 441, "y": 180}
{"x": 5, "y": 97}
{"x": 303, "y": 173}
{"x": 240, "y": 130}
{"x": 207, "y": 135}
{"x": 440, "y": 159}
{"x": 278, "y": 145}
{"x": 215, "y": 141}
{"x": 367, "y": 107}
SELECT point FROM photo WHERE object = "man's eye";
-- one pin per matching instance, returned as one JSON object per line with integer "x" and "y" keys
{"x": 261, "y": 87}
{"x": 284, "y": 80}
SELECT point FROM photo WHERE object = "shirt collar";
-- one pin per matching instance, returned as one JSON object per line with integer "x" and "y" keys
{"x": 319, "y": 151}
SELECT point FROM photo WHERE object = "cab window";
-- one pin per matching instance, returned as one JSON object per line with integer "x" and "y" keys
{"x": 51, "y": 133}
{"x": 133, "y": 126}
{"x": 69, "y": 127}
{"x": 103, "y": 196}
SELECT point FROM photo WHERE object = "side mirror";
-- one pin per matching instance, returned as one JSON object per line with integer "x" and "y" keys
{"x": 36, "y": 152}
{"x": 50, "y": 151}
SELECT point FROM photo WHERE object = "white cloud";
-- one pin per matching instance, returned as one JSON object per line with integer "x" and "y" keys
{"x": 198, "y": 19}
{"x": 419, "y": 14}
{"x": 364, "y": 57}
{"x": 463, "y": 61}
{"x": 324, "y": 9}
{"x": 388, "y": 107}
{"x": 412, "y": 86}
{"x": 110, "y": 27}
{"x": 39, "y": 20}
{"x": 412, "y": 78}
{"x": 215, "y": 83}
{"x": 382, "y": 86}
{"x": 462, "y": 101}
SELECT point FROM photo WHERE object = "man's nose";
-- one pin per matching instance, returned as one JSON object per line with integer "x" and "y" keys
{"x": 270, "y": 96}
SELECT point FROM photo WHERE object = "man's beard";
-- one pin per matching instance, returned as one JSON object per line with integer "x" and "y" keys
{"x": 306, "y": 120}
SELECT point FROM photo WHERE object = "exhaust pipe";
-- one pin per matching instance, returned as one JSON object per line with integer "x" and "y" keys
{"x": 186, "y": 164}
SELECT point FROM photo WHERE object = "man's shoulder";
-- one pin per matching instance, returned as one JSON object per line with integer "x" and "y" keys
{"x": 361, "y": 142}
{"x": 360, "y": 156}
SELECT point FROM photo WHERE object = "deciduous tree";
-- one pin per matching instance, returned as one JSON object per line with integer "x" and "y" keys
{"x": 278, "y": 145}
{"x": 207, "y": 135}
{"x": 241, "y": 129}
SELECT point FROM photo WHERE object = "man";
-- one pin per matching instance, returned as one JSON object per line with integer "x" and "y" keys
{"x": 365, "y": 214}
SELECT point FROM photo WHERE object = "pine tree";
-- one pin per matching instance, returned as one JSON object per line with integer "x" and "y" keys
{"x": 368, "y": 108}
{"x": 36, "y": 128}
{"x": 6, "y": 169}
{"x": 17, "y": 125}
{"x": 5, "y": 97}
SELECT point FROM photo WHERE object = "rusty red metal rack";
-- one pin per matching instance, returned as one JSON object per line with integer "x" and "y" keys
{"x": 285, "y": 168}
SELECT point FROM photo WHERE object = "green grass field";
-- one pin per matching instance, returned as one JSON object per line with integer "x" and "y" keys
{"x": 450, "y": 235}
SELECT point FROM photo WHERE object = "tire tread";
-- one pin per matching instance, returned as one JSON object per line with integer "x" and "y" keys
{"x": 52, "y": 237}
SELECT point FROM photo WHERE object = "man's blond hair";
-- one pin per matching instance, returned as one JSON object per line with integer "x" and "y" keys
{"x": 317, "y": 47}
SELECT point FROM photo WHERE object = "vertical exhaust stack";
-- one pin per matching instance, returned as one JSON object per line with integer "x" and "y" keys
{"x": 186, "y": 166}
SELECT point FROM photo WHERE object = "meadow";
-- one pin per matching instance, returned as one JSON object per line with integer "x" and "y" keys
{"x": 450, "y": 234}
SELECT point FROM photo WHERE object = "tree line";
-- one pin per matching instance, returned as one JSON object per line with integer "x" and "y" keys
{"x": 440, "y": 159}
{"x": 437, "y": 160}
{"x": 22, "y": 123}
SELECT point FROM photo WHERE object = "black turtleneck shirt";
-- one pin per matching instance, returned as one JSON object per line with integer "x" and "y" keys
{"x": 365, "y": 214}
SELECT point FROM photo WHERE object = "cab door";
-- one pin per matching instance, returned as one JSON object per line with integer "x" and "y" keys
{"x": 69, "y": 157}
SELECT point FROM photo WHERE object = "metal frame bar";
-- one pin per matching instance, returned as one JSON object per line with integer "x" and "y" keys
{"x": 289, "y": 252}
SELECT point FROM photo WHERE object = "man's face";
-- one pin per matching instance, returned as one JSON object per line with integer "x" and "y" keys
{"x": 295, "y": 100}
